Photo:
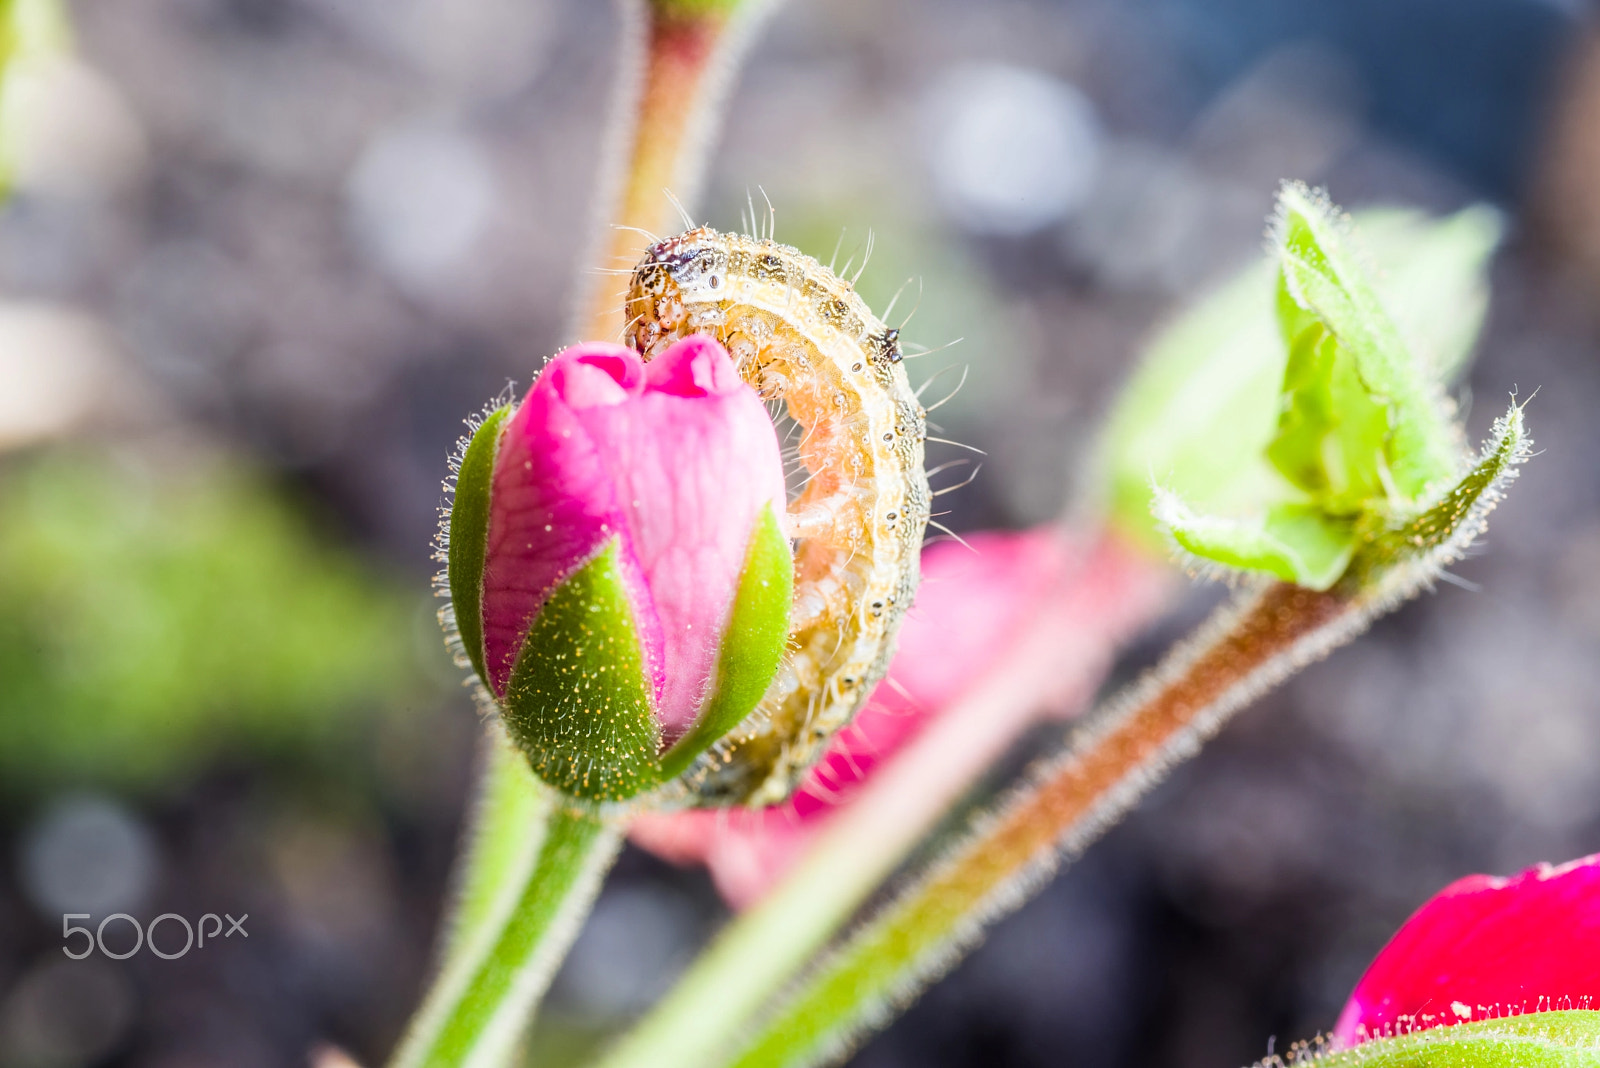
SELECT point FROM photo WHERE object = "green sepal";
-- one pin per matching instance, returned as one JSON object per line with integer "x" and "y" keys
{"x": 1442, "y": 528}
{"x": 578, "y": 703}
{"x": 1323, "y": 277}
{"x": 752, "y": 645}
{"x": 469, "y": 535}
{"x": 1295, "y": 542}
{"x": 1562, "y": 1039}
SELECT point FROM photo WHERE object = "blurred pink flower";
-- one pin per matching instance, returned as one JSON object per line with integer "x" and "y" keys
{"x": 971, "y": 607}
{"x": 675, "y": 459}
{"x": 1486, "y": 946}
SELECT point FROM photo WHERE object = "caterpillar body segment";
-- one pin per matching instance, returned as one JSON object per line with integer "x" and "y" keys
{"x": 803, "y": 337}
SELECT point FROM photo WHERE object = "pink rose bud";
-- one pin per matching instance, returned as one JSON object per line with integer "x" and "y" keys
{"x": 1486, "y": 947}
{"x": 617, "y": 564}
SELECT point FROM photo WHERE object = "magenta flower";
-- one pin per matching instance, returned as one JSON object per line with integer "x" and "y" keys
{"x": 617, "y": 562}
{"x": 1484, "y": 947}
{"x": 970, "y": 608}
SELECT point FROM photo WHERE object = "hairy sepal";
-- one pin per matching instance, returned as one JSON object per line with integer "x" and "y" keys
{"x": 1404, "y": 550}
{"x": 1365, "y": 444}
{"x": 752, "y": 645}
{"x": 1413, "y": 550}
{"x": 1562, "y": 1039}
{"x": 466, "y": 543}
{"x": 578, "y": 703}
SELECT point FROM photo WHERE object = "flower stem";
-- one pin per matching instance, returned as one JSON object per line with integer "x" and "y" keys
{"x": 1068, "y": 801}
{"x": 1055, "y": 663}
{"x": 506, "y": 828}
{"x": 530, "y": 875}
{"x": 685, "y": 55}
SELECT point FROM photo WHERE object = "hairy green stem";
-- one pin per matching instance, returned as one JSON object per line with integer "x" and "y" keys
{"x": 530, "y": 875}
{"x": 1066, "y": 802}
{"x": 505, "y": 829}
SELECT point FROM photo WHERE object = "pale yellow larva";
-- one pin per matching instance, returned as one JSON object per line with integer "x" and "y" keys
{"x": 801, "y": 334}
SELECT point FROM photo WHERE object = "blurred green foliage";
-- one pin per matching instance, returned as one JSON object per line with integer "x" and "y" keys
{"x": 695, "y": 9}
{"x": 151, "y": 620}
{"x": 31, "y": 31}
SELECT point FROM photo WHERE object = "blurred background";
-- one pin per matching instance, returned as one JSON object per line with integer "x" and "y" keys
{"x": 263, "y": 256}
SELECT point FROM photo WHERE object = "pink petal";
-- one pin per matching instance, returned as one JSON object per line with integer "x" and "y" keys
{"x": 596, "y": 376}
{"x": 692, "y": 368}
{"x": 1486, "y": 946}
{"x": 554, "y": 503}
{"x": 969, "y": 608}
{"x": 695, "y": 463}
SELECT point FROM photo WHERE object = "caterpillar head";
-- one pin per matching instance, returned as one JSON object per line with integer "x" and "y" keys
{"x": 691, "y": 268}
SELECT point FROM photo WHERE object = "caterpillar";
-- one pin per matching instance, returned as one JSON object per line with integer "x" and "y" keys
{"x": 804, "y": 338}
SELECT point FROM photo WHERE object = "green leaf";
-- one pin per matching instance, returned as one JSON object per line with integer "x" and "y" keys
{"x": 1363, "y": 436}
{"x": 469, "y": 535}
{"x": 1434, "y": 278}
{"x": 1204, "y": 403}
{"x": 752, "y": 645}
{"x": 578, "y": 704}
{"x": 1305, "y": 544}
{"x": 1567, "y": 1039}
{"x": 1295, "y": 542}
{"x": 1322, "y": 275}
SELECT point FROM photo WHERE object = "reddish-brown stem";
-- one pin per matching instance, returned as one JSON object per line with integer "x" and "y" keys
{"x": 1067, "y": 802}
{"x": 1121, "y": 754}
{"x": 667, "y": 112}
